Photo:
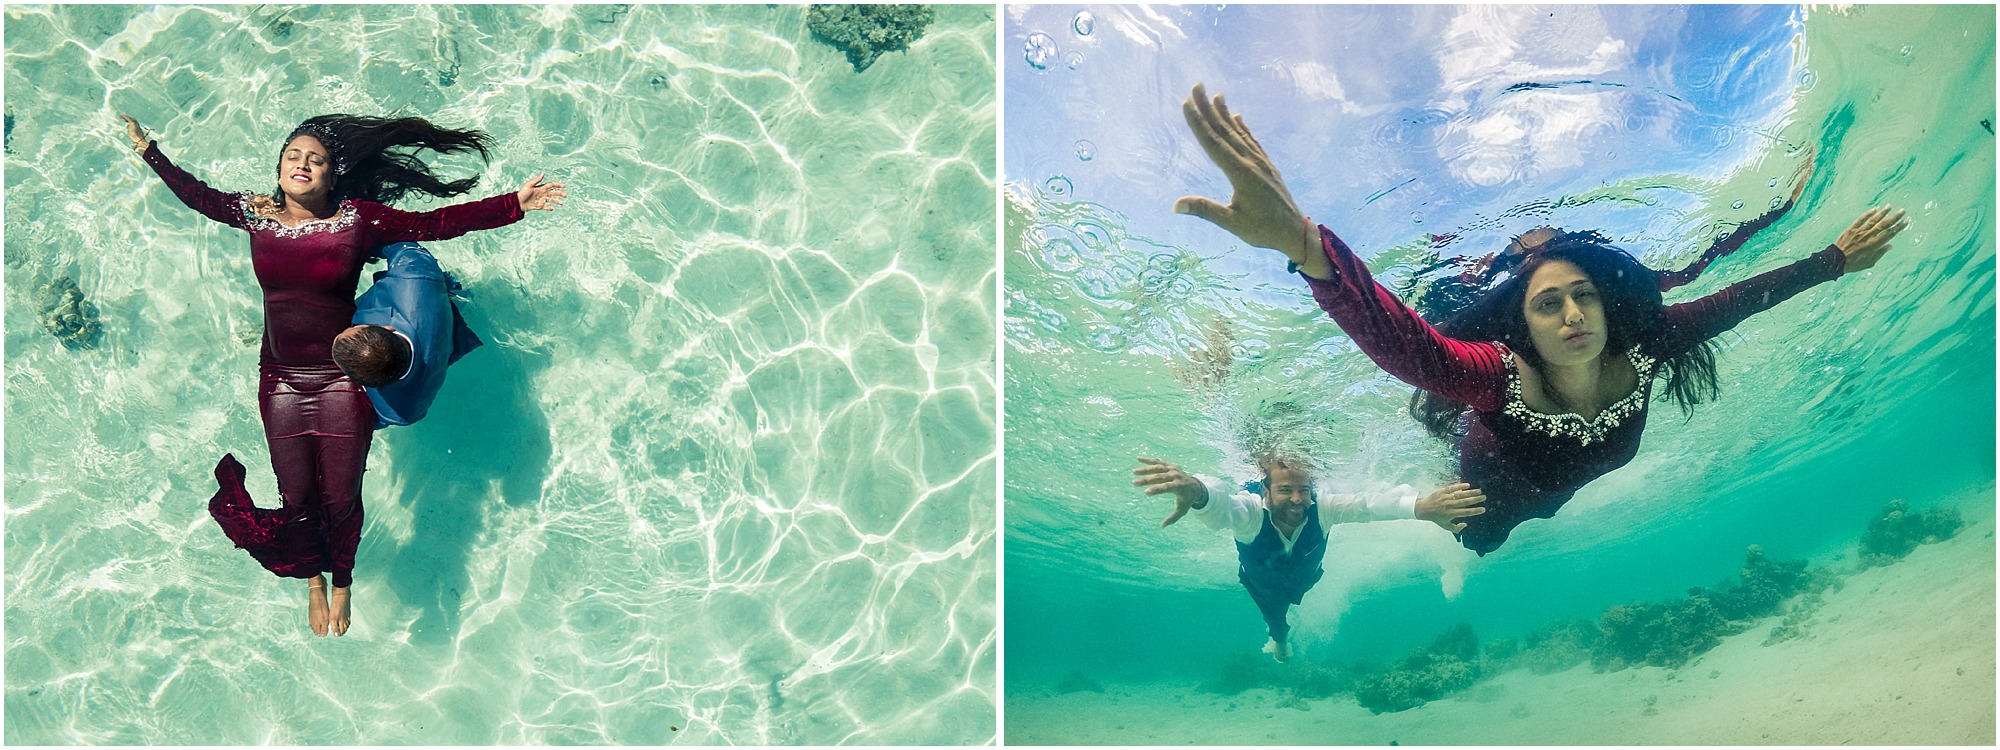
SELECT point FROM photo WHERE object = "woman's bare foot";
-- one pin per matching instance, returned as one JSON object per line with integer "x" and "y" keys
{"x": 340, "y": 614}
{"x": 316, "y": 610}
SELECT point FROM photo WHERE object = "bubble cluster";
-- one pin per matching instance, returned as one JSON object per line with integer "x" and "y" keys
{"x": 1039, "y": 50}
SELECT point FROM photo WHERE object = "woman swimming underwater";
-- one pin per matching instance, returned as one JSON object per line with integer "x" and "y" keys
{"x": 1545, "y": 380}
{"x": 308, "y": 243}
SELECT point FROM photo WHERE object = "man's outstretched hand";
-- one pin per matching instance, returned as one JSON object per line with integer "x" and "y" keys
{"x": 1160, "y": 477}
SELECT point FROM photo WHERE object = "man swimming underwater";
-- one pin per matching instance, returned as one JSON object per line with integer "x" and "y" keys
{"x": 1280, "y": 524}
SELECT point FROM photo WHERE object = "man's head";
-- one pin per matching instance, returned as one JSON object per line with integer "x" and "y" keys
{"x": 1288, "y": 489}
{"x": 372, "y": 356}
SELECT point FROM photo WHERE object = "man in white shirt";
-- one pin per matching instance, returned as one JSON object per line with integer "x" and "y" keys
{"x": 1280, "y": 527}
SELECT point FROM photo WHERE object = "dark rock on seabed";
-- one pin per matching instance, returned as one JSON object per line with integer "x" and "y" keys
{"x": 70, "y": 317}
{"x": 864, "y": 32}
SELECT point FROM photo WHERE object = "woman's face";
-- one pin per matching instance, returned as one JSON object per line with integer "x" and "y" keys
{"x": 305, "y": 169}
{"x": 1565, "y": 314}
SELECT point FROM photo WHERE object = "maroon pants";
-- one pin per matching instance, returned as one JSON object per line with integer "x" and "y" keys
{"x": 318, "y": 425}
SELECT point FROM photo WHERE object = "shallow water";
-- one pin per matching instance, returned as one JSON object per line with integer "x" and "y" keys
{"x": 724, "y": 473}
{"x": 1661, "y": 126}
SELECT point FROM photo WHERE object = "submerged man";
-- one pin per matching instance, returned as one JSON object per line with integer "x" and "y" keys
{"x": 1280, "y": 525}
{"x": 406, "y": 331}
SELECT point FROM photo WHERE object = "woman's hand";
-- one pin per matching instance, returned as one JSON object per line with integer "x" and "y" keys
{"x": 538, "y": 195}
{"x": 136, "y": 133}
{"x": 1260, "y": 210}
{"x": 1867, "y": 239}
{"x": 1450, "y": 503}
{"x": 1159, "y": 476}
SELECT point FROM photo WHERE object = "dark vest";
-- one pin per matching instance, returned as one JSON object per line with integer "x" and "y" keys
{"x": 1263, "y": 565}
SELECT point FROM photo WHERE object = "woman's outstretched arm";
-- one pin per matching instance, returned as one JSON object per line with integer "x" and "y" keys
{"x": 1858, "y": 248}
{"x": 388, "y": 225}
{"x": 1401, "y": 342}
{"x": 208, "y": 201}
{"x": 1261, "y": 213}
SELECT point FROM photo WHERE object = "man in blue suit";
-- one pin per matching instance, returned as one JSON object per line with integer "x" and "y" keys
{"x": 406, "y": 332}
{"x": 1280, "y": 525}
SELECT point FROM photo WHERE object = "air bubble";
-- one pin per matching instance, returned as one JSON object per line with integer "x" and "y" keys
{"x": 1416, "y": 218}
{"x": 1774, "y": 182}
{"x": 1776, "y": 202}
{"x": 1083, "y": 24}
{"x": 1059, "y": 186}
{"x": 1905, "y": 51}
{"x": 1737, "y": 205}
{"x": 1074, "y": 59}
{"x": 1085, "y": 150}
{"x": 1806, "y": 80}
{"x": 1039, "y": 51}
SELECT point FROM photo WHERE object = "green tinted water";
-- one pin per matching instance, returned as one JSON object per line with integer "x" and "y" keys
{"x": 724, "y": 474}
{"x": 1852, "y": 394}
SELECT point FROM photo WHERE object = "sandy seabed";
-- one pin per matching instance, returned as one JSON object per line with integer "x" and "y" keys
{"x": 1902, "y": 654}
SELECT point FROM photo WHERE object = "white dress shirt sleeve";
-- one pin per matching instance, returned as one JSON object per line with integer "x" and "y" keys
{"x": 1397, "y": 502}
{"x": 1239, "y": 512}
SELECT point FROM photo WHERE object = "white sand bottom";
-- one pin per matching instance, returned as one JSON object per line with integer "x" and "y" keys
{"x": 1902, "y": 654}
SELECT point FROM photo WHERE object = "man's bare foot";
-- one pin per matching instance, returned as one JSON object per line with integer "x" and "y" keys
{"x": 1279, "y": 650}
{"x": 341, "y": 618}
{"x": 316, "y": 610}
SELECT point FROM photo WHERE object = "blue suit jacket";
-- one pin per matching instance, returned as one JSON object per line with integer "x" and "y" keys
{"x": 413, "y": 296}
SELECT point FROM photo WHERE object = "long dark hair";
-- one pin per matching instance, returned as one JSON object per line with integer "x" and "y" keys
{"x": 1633, "y": 308}
{"x": 372, "y": 160}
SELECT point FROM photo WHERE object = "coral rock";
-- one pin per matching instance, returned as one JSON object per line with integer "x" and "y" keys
{"x": 864, "y": 32}
{"x": 70, "y": 317}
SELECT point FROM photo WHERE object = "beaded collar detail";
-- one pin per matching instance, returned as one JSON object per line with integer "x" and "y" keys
{"x": 339, "y": 221}
{"x": 1573, "y": 425}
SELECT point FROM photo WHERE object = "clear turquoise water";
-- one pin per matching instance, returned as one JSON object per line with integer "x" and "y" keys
{"x": 1391, "y": 124}
{"x": 725, "y": 474}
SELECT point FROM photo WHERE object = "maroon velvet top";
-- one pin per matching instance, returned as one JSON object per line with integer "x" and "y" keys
{"x": 309, "y": 272}
{"x": 1526, "y": 462}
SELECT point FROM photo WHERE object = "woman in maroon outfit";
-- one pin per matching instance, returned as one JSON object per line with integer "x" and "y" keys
{"x": 308, "y": 243}
{"x": 1544, "y": 381}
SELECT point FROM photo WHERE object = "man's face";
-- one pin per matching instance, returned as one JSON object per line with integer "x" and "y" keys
{"x": 1287, "y": 491}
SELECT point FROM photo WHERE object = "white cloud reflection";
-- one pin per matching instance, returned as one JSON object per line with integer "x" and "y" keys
{"x": 1315, "y": 80}
{"x": 1151, "y": 31}
{"x": 1503, "y": 136}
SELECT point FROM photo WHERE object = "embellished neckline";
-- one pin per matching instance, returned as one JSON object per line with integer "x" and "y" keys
{"x": 339, "y": 221}
{"x": 1573, "y": 425}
